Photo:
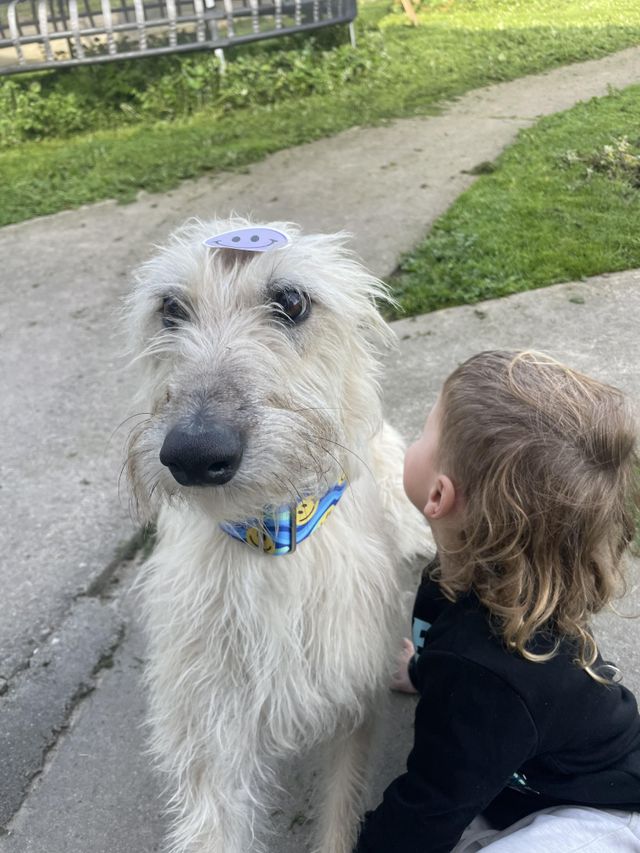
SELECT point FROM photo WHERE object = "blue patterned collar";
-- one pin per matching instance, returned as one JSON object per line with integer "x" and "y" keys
{"x": 281, "y": 530}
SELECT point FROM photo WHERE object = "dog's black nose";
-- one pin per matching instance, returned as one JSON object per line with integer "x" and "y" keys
{"x": 202, "y": 453}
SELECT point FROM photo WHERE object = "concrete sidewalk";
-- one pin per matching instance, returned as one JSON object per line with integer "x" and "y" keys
{"x": 65, "y": 630}
{"x": 98, "y": 793}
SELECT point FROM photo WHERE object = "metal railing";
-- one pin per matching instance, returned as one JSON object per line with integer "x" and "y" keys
{"x": 36, "y": 34}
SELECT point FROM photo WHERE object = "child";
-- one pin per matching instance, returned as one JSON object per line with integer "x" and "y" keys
{"x": 526, "y": 473}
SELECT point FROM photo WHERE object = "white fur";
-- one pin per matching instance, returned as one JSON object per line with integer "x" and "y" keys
{"x": 256, "y": 658}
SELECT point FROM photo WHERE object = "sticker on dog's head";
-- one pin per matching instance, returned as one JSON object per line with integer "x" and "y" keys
{"x": 248, "y": 240}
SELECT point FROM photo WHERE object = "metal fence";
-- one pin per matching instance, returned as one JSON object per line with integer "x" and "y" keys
{"x": 37, "y": 34}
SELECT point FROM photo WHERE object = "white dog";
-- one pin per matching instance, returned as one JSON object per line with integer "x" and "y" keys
{"x": 260, "y": 382}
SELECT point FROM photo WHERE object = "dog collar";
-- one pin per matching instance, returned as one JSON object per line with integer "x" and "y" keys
{"x": 280, "y": 531}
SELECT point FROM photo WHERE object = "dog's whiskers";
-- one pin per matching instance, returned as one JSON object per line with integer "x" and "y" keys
{"x": 124, "y": 466}
{"x": 342, "y": 447}
{"x": 296, "y": 491}
{"x": 146, "y": 415}
{"x": 320, "y": 471}
{"x": 137, "y": 429}
{"x": 155, "y": 485}
{"x": 329, "y": 453}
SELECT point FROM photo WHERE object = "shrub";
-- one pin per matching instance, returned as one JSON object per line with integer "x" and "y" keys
{"x": 67, "y": 101}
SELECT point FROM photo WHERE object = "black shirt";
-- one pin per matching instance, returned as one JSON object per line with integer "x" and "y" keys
{"x": 498, "y": 734}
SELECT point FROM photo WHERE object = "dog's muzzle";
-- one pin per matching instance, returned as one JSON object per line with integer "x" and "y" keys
{"x": 202, "y": 452}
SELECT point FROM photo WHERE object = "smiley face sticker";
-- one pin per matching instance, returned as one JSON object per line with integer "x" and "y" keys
{"x": 248, "y": 240}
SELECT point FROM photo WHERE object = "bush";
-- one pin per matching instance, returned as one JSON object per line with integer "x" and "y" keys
{"x": 67, "y": 101}
{"x": 26, "y": 113}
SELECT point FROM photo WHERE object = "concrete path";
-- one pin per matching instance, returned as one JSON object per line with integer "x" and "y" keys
{"x": 65, "y": 630}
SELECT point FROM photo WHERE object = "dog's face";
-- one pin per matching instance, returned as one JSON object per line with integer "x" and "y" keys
{"x": 259, "y": 385}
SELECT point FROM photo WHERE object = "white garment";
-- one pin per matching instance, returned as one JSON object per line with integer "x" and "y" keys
{"x": 561, "y": 829}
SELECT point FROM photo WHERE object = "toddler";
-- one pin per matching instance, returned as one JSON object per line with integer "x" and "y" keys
{"x": 524, "y": 742}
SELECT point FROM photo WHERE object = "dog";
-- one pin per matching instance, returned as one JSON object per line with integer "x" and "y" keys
{"x": 259, "y": 376}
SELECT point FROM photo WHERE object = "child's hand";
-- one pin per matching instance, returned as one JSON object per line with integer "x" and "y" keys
{"x": 400, "y": 680}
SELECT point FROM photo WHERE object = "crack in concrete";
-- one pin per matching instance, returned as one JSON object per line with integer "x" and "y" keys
{"x": 84, "y": 689}
{"x": 141, "y": 541}
{"x": 126, "y": 553}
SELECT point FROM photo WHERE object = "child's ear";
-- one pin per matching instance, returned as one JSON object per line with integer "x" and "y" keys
{"x": 441, "y": 500}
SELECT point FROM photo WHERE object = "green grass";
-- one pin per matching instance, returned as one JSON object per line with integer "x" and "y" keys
{"x": 498, "y": 14}
{"x": 562, "y": 203}
{"x": 155, "y": 122}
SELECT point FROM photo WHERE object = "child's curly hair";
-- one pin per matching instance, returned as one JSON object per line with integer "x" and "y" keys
{"x": 545, "y": 458}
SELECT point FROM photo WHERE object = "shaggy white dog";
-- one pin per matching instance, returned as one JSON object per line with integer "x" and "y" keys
{"x": 260, "y": 382}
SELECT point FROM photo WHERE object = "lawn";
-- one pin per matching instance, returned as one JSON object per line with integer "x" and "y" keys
{"x": 80, "y": 135}
{"x": 562, "y": 203}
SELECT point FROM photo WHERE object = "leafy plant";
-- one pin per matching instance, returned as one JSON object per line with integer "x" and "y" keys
{"x": 26, "y": 114}
{"x": 61, "y": 104}
{"x": 619, "y": 160}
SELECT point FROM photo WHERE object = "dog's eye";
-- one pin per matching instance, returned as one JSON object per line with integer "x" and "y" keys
{"x": 291, "y": 305}
{"x": 173, "y": 312}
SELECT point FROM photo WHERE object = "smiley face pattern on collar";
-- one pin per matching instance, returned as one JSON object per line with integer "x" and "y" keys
{"x": 281, "y": 531}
